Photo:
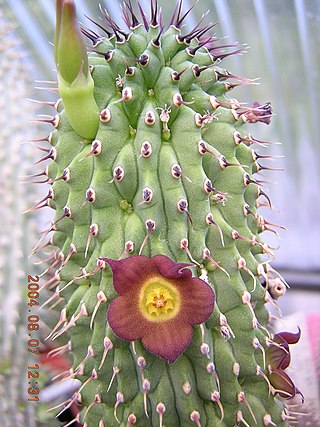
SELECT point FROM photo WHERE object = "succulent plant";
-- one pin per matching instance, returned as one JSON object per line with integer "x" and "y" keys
{"x": 157, "y": 253}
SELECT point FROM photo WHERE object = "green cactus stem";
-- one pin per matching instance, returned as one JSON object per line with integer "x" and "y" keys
{"x": 158, "y": 260}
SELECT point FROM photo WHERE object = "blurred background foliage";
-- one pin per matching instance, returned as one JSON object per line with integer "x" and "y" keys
{"x": 281, "y": 39}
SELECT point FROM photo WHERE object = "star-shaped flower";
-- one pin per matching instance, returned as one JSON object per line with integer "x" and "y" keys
{"x": 158, "y": 303}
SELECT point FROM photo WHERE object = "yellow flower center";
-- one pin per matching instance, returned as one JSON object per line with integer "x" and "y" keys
{"x": 159, "y": 300}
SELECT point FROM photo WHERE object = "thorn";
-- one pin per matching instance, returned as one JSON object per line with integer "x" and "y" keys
{"x": 161, "y": 409}
{"x": 146, "y": 388}
{"x": 90, "y": 353}
{"x": 184, "y": 246}
{"x": 207, "y": 255}
{"x": 248, "y": 180}
{"x": 55, "y": 280}
{"x": 203, "y": 149}
{"x": 246, "y": 299}
{"x": 242, "y": 265}
{"x": 205, "y": 350}
{"x": 262, "y": 222}
{"x": 72, "y": 422}
{"x": 62, "y": 319}
{"x": 51, "y": 155}
{"x": 72, "y": 250}
{"x": 224, "y": 324}
{"x": 96, "y": 400}
{"x": 267, "y": 420}
{"x": 220, "y": 56}
{"x": 53, "y": 296}
{"x": 90, "y": 196}
{"x": 242, "y": 399}
{"x": 224, "y": 163}
{"x": 49, "y": 196}
{"x": 133, "y": 347}
{"x": 46, "y": 260}
{"x": 116, "y": 370}
{"x": 260, "y": 168}
{"x": 83, "y": 275}
{"x": 150, "y": 118}
{"x": 119, "y": 399}
{"x": 40, "y": 249}
{"x": 66, "y": 214}
{"x": 195, "y": 417}
{"x": 257, "y": 345}
{"x": 128, "y": 248}
{"x": 118, "y": 174}
{"x": 182, "y": 206}
{"x": 134, "y": 20}
{"x": 154, "y": 14}
{"x": 33, "y": 209}
{"x": 69, "y": 401}
{"x": 99, "y": 26}
{"x": 146, "y": 149}
{"x": 147, "y": 195}
{"x": 53, "y": 120}
{"x": 179, "y": 20}
{"x": 156, "y": 42}
{"x": 101, "y": 298}
{"x": 141, "y": 362}
{"x": 262, "y": 193}
{"x": 107, "y": 344}
{"x": 92, "y": 377}
{"x": 93, "y": 231}
{"x": 202, "y": 120}
{"x": 46, "y": 139}
{"x": 51, "y": 90}
{"x": 65, "y": 375}
{"x": 35, "y": 175}
{"x": 215, "y": 397}
{"x": 270, "y": 342}
{"x": 240, "y": 419}
{"x": 60, "y": 350}
{"x": 95, "y": 149}
{"x": 143, "y": 16}
{"x": 176, "y": 172}
{"x": 209, "y": 221}
{"x": 211, "y": 369}
{"x": 132, "y": 419}
{"x": 65, "y": 177}
{"x": 264, "y": 376}
{"x": 176, "y": 76}
{"x": 74, "y": 318}
{"x": 177, "y": 99}
{"x": 150, "y": 226}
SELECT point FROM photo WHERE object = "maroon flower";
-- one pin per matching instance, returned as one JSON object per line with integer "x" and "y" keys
{"x": 278, "y": 359}
{"x": 158, "y": 302}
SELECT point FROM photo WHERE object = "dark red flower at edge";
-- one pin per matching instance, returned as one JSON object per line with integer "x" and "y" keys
{"x": 158, "y": 303}
{"x": 278, "y": 359}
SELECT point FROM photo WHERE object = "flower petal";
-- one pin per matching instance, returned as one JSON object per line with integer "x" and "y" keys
{"x": 283, "y": 384}
{"x": 124, "y": 320}
{"x": 171, "y": 269}
{"x": 287, "y": 337}
{"x": 278, "y": 356}
{"x": 130, "y": 272}
{"x": 197, "y": 301}
{"x": 168, "y": 340}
